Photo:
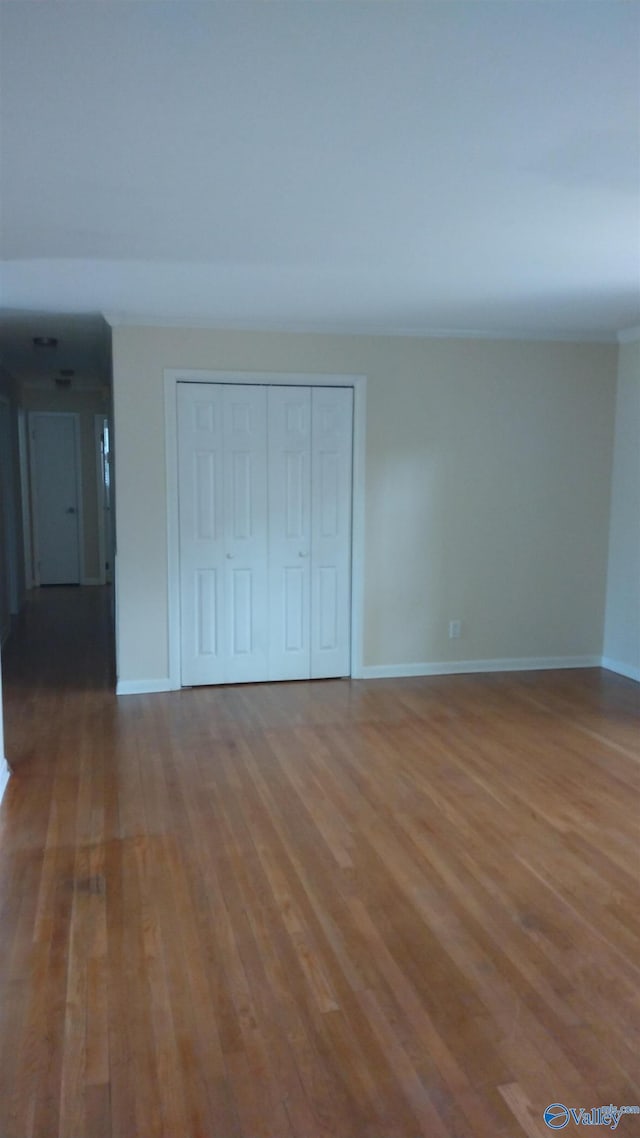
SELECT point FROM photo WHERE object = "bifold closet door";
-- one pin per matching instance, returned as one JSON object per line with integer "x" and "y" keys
{"x": 331, "y": 496}
{"x": 264, "y": 500}
{"x": 222, "y": 497}
{"x": 310, "y": 461}
{"x": 289, "y": 445}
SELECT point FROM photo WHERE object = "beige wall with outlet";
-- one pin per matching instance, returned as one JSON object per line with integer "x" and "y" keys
{"x": 488, "y": 468}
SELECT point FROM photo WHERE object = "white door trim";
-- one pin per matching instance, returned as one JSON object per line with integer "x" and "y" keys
{"x": 173, "y": 376}
{"x": 25, "y": 501}
{"x": 98, "y": 423}
{"x": 8, "y": 513}
{"x": 33, "y": 417}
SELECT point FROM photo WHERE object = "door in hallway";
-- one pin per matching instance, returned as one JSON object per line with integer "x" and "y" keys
{"x": 55, "y": 489}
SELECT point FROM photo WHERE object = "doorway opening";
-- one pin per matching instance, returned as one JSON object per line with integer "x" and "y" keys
{"x": 55, "y": 511}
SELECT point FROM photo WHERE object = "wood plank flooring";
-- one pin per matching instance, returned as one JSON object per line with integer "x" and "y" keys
{"x": 385, "y": 909}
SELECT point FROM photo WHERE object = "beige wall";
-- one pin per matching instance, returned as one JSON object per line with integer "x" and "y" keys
{"x": 622, "y": 626}
{"x": 87, "y": 404}
{"x": 487, "y": 488}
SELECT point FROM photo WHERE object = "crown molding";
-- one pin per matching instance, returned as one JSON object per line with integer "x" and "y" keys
{"x": 629, "y": 335}
{"x": 132, "y": 320}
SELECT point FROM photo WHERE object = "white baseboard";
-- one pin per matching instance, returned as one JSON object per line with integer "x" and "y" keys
{"x": 459, "y": 667}
{"x": 397, "y": 671}
{"x": 5, "y": 775}
{"x": 622, "y": 669}
{"x": 143, "y": 687}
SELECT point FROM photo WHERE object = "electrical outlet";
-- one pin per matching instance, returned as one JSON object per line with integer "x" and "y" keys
{"x": 454, "y": 630}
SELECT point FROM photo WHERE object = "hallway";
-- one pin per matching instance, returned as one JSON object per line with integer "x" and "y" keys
{"x": 373, "y": 909}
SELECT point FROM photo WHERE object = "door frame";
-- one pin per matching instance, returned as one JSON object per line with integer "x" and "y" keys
{"x": 358, "y": 383}
{"x": 25, "y": 496}
{"x": 98, "y": 427}
{"x": 75, "y": 416}
{"x": 8, "y": 516}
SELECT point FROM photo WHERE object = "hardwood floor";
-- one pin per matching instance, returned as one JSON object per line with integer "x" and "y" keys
{"x": 377, "y": 909}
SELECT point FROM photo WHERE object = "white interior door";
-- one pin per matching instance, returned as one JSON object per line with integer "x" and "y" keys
{"x": 245, "y": 488}
{"x": 289, "y": 533}
{"x": 331, "y": 494}
{"x": 202, "y": 537}
{"x": 264, "y": 497}
{"x": 55, "y": 484}
{"x": 222, "y": 479}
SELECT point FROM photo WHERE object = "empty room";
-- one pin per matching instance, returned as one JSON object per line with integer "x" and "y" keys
{"x": 319, "y": 568}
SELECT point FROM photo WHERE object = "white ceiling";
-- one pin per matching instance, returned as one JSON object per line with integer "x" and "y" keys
{"x": 415, "y": 167}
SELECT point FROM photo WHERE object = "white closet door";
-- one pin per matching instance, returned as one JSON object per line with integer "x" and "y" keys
{"x": 289, "y": 418}
{"x": 331, "y": 477}
{"x": 245, "y": 485}
{"x": 222, "y": 480}
{"x": 202, "y": 533}
{"x": 264, "y": 500}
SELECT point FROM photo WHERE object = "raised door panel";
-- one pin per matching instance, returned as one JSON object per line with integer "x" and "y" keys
{"x": 331, "y": 482}
{"x": 205, "y": 643}
{"x": 245, "y": 514}
{"x": 289, "y": 415}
